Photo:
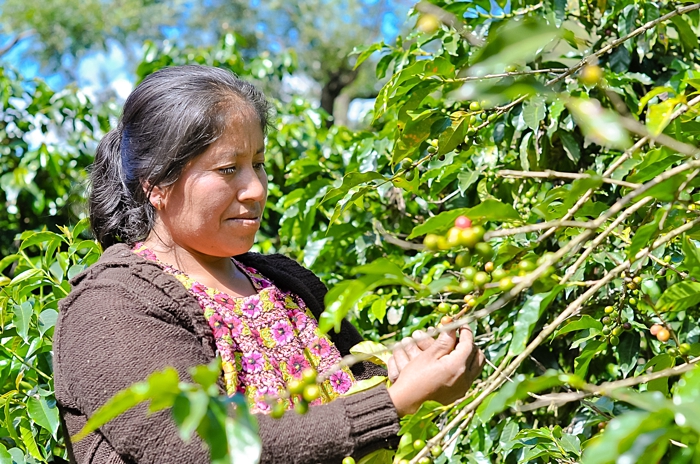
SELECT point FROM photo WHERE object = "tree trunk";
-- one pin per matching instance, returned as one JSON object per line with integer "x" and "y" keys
{"x": 337, "y": 81}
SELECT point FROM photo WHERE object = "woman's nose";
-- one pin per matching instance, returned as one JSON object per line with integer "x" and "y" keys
{"x": 253, "y": 186}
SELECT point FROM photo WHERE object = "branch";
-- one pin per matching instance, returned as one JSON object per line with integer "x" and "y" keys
{"x": 451, "y": 20}
{"x": 22, "y": 35}
{"x": 549, "y": 174}
{"x": 606, "y": 387}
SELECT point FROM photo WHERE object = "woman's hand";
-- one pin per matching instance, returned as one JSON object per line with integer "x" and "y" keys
{"x": 443, "y": 372}
{"x": 408, "y": 349}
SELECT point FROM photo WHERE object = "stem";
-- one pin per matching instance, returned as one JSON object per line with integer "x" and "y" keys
{"x": 548, "y": 174}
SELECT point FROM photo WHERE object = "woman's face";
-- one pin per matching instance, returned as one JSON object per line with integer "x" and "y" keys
{"x": 216, "y": 205}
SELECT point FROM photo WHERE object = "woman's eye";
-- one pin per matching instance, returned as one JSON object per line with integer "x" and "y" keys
{"x": 259, "y": 166}
{"x": 230, "y": 170}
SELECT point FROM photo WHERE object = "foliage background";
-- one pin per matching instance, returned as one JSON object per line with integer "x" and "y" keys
{"x": 617, "y": 158}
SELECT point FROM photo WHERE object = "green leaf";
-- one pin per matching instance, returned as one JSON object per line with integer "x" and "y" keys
{"x": 47, "y": 320}
{"x": 29, "y": 442}
{"x": 25, "y": 275}
{"x": 488, "y": 210}
{"x": 372, "y": 351}
{"x": 600, "y": 125}
{"x": 351, "y": 180}
{"x": 631, "y": 434}
{"x": 534, "y": 111}
{"x": 655, "y": 162}
{"x": 689, "y": 38}
{"x": 5, "y": 457}
{"x": 516, "y": 42}
{"x": 680, "y": 296}
{"x": 21, "y": 319}
{"x": 581, "y": 363}
{"x": 582, "y": 323}
{"x": 651, "y": 94}
{"x": 365, "y": 52}
{"x": 466, "y": 179}
{"x": 189, "y": 409}
{"x": 35, "y": 238}
{"x": 519, "y": 389}
{"x": 528, "y": 315}
{"x": 659, "y": 116}
{"x": 126, "y": 399}
{"x": 691, "y": 253}
{"x": 339, "y": 300}
{"x": 381, "y": 456}
{"x": 366, "y": 384}
{"x": 571, "y": 146}
{"x": 43, "y": 414}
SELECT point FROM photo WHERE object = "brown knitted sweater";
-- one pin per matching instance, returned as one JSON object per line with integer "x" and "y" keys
{"x": 126, "y": 318}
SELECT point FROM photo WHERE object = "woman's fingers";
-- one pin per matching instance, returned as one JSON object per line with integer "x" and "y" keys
{"x": 465, "y": 351}
{"x": 392, "y": 370}
{"x": 423, "y": 339}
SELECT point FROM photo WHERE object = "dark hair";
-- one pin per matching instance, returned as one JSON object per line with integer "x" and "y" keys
{"x": 171, "y": 117}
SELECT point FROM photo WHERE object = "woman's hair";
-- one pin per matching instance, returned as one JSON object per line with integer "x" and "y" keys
{"x": 171, "y": 117}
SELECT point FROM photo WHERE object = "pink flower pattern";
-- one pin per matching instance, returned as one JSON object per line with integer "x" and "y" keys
{"x": 265, "y": 340}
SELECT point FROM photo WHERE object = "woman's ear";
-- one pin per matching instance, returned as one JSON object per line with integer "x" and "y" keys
{"x": 156, "y": 196}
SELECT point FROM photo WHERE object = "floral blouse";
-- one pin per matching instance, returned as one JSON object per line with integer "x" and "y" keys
{"x": 264, "y": 340}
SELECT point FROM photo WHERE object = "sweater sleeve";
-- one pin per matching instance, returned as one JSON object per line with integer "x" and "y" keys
{"x": 99, "y": 352}
{"x": 106, "y": 340}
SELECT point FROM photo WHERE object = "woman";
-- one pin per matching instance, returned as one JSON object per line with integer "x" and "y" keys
{"x": 178, "y": 189}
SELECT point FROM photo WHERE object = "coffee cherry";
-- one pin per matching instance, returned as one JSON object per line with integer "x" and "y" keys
{"x": 614, "y": 340}
{"x": 443, "y": 307}
{"x": 479, "y": 231}
{"x": 527, "y": 265}
{"x": 684, "y": 349}
{"x": 311, "y": 392}
{"x": 418, "y": 444}
{"x": 473, "y": 303}
{"x": 498, "y": 274}
{"x": 302, "y": 407}
{"x": 609, "y": 309}
{"x": 673, "y": 352}
{"x": 606, "y": 320}
{"x": 454, "y": 307}
{"x": 663, "y": 335}
{"x": 591, "y": 75}
{"x": 424, "y": 460}
{"x": 466, "y": 286}
{"x": 278, "y": 411}
{"x": 627, "y": 326}
{"x": 431, "y": 242}
{"x": 442, "y": 243}
{"x": 453, "y": 237}
{"x": 309, "y": 375}
{"x": 474, "y": 106}
{"x": 637, "y": 280}
{"x": 481, "y": 278}
{"x": 429, "y": 24}
{"x": 410, "y": 175}
{"x": 295, "y": 387}
{"x": 488, "y": 267}
{"x": 606, "y": 330}
{"x": 632, "y": 301}
{"x": 484, "y": 250}
{"x": 469, "y": 237}
{"x": 406, "y": 164}
{"x": 654, "y": 329}
{"x": 463, "y": 222}
{"x": 436, "y": 451}
{"x": 463, "y": 259}
{"x": 446, "y": 320}
{"x": 617, "y": 331}
{"x": 469, "y": 272}
{"x": 505, "y": 284}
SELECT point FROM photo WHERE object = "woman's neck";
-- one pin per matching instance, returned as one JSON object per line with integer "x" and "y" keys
{"x": 213, "y": 271}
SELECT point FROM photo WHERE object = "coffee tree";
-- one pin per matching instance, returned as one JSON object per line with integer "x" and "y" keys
{"x": 545, "y": 156}
{"x": 531, "y": 170}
